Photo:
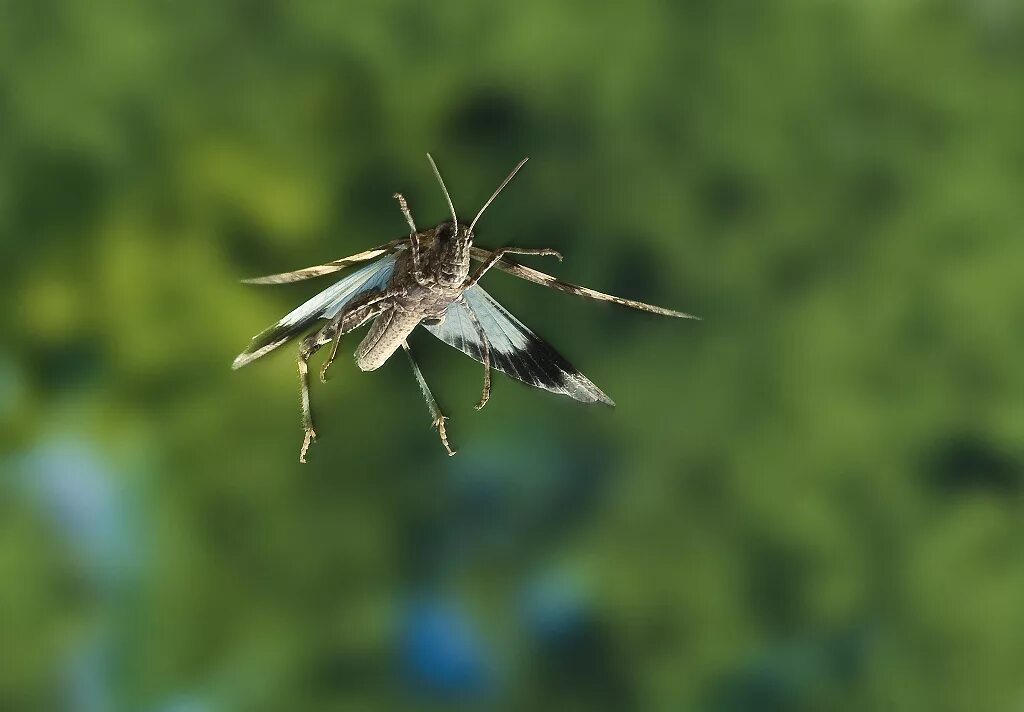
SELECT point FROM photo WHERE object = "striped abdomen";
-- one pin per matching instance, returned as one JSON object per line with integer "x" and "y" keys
{"x": 385, "y": 337}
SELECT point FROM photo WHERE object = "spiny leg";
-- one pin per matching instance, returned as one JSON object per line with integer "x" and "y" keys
{"x": 485, "y": 354}
{"x": 438, "y": 417}
{"x": 502, "y": 251}
{"x": 338, "y": 322}
{"x": 405, "y": 211}
{"x": 414, "y": 238}
{"x": 310, "y": 345}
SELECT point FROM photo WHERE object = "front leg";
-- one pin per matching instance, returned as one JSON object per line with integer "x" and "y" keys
{"x": 414, "y": 238}
{"x": 501, "y": 252}
{"x": 338, "y": 322}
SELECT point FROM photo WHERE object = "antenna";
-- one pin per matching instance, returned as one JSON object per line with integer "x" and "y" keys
{"x": 455, "y": 220}
{"x": 500, "y": 187}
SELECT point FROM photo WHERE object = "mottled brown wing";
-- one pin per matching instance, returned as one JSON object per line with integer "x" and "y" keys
{"x": 330, "y": 267}
{"x": 528, "y": 273}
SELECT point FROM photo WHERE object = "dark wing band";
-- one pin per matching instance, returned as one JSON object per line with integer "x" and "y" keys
{"x": 515, "y": 350}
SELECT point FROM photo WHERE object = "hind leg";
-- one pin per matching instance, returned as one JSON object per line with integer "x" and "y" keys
{"x": 310, "y": 345}
{"x": 438, "y": 418}
{"x": 361, "y": 308}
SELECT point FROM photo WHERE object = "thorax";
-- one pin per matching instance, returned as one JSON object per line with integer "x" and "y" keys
{"x": 429, "y": 296}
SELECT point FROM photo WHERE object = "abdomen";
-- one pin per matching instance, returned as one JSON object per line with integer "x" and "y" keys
{"x": 386, "y": 335}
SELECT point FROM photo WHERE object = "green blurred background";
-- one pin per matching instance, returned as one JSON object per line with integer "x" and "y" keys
{"x": 809, "y": 500}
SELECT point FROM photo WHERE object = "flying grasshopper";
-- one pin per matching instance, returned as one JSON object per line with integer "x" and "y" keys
{"x": 425, "y": 280}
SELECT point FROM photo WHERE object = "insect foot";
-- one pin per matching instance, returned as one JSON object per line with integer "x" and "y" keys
{"x": 486, "y": 395}
{"x": 309, "y": 438}
{"x": 439, "y": 425}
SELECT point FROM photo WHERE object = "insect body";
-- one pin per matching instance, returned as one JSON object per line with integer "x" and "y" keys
{"x": 426, "y": 280}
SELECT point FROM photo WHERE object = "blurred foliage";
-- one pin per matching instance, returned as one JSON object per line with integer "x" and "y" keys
{"x": 809, "y": 500}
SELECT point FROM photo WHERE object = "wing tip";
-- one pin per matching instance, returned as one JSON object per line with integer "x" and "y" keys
{"x": 586, "y": 391}
{"x": 268, "y": 279}
{"x": 677, "y": 314}
{"x": 591, "y": 396}
{"x": 599, "y": 395}
{"x": 254, "y": 352}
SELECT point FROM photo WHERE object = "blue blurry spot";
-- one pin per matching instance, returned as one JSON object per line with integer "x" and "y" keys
{"x": 87, "y": 677}
{"x": 554, "y": 608}
{"x": 185, "y": 703}
{"x": 441, "y": 653}
{"x": 78, "y": 490}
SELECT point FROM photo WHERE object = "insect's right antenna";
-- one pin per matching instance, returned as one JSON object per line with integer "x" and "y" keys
{"x": 455, "y": 220}
{"x": 500, "y": 187}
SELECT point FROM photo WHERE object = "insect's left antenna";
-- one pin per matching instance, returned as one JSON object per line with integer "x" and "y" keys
{"x": 500, "y": 188}
{"x": 455, "y": 220}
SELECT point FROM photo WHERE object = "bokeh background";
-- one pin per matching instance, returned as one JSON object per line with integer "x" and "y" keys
{"x": 809, "y": 500}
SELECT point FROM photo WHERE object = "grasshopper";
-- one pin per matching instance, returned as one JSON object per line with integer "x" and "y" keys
{"x": 426, "y": 280}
